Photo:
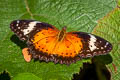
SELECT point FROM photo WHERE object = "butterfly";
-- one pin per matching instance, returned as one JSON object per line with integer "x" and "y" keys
{"x": 46, "y": 43}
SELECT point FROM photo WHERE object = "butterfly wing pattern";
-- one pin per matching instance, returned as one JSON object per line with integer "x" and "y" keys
{"x": 23, "y": 28}
{"x": 47, "y": 43}
{"x": 93, "y": 45}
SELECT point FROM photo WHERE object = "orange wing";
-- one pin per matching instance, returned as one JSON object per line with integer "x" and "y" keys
{"x": 42, "y": 43}
{"x": 70, "y": 46}
{"x": 46, "y": 46}
{"x": 45, "y": 40}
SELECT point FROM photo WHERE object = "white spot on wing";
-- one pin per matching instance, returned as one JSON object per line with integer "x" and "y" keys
{"x": 102, "y": 48}
{"x": 92, "y": 42}
{"x": 18, "y": 21}
{"x": 16, "y": 24}
{"x": 30, "y": 27}
{"x": 18, "y": 27}
{"x": 106, "y": 44}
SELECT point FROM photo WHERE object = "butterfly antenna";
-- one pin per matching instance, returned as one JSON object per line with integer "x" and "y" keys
{"x": 59, "y": 24}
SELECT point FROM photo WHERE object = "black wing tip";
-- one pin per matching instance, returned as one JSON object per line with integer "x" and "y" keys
{"x": 13, "y": 24}
{"x": 22, "y": 20}
{"x": 110, "y": 47}
{"x": 14, "y": 27}
{"x": 14, "y": 21}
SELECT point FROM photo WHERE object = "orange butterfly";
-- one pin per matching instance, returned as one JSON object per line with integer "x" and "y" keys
{"x": 45, "y": 42}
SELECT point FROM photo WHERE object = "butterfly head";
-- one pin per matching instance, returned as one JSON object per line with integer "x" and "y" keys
{"x": 64, "y": 28}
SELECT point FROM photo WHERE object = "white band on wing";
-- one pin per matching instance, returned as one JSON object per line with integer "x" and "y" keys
{"x": 30, "y": 27}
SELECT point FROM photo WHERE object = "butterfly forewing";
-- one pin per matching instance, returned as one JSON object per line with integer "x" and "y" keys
{"x": 93, "y": 45}
{"x": 22, "y": 28}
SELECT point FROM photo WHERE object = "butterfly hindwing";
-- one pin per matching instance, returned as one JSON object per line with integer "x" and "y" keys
{"x": 93, "y": 45}
{"x": 22, "y": 28}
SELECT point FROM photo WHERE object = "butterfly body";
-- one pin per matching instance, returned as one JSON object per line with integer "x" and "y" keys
{"x": 47, "y": 43}
{"x": 62, "y": 34}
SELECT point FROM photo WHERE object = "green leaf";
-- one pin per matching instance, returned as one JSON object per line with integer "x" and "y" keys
{"x": 80, "y": 15}
{"x": 26, "y": 76}
{"x": 118, "y": 3}
{"x": 109, "y": 28}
